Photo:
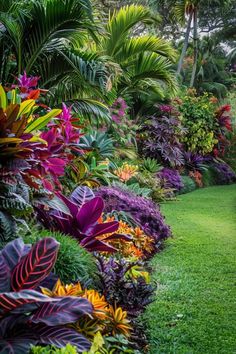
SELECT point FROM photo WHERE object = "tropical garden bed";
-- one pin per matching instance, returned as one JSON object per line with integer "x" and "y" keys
{"x": 96, "y": 130}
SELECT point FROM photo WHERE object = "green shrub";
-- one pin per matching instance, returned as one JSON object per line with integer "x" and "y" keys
{"x": 198, "y": 114}
{"x": 73, "y": 263}
{"x": 189, "y": 185}
{"x": 69, "y": 349}
{"x": 209, "y": 177}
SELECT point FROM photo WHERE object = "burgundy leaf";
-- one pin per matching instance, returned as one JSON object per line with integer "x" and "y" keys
{"x": 5, "y": 275}
{"x": 13, "y": 300}
{"x": 36, "y": 265}
{"x": 89, "y": 213}
{"x": 127, "y": 238}
{"x": 105, "y": 228}
{"x": 95, "y": 245}
{"x": 65, "y": 310}
{"x": 60, "y": 336}
{"x": 13, "y": 252}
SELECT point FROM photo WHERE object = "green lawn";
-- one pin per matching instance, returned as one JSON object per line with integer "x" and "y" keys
{"x": 195, "y": 307}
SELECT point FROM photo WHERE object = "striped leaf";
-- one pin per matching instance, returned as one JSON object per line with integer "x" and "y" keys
{"x": 4, "y": 275}
{"x": 15, "y": 345}
{"x": 13, "y": 300}
{"x": 66, "y": 310}
{"x": 60, "y": 336}
{"x": 36, "y": 265}
{"x": 13, "y": 252}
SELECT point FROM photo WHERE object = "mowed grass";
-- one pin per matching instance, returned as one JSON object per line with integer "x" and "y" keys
{"x": 195, "y": 306}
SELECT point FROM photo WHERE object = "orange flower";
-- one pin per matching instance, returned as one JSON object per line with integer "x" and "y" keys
{"x": 126, "y": 171}
{"x": 119, "y": 321}
{"x": 64, "y": 290}
{"x": 98, "y": 301}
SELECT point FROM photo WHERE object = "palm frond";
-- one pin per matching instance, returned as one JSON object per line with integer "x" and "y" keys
{"x": 149, "y": 43}
{"x": 96, "y": 112}
{"x": 120, "y": 25}
{"x": 152, "y": 66}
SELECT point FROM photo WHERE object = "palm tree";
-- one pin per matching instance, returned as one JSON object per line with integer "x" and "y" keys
{"x": 48, "y": 38}
{"x": 144, "y": 61}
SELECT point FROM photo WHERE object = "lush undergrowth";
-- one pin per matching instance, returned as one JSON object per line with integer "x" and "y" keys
{"x": 194, "y": 311}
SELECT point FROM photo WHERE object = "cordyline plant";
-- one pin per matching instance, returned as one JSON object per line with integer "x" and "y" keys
{"x": 28, "y": 317}
{"x": 83, "y": 221}
{"x": 159, "y": 139}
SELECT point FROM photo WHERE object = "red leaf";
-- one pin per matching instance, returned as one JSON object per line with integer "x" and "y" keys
{"x": 36, "y": 265}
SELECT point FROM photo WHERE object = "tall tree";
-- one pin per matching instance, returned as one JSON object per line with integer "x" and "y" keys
{"x": 47, "y": 38}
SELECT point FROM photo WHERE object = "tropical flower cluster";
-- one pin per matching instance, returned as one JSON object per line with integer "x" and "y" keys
{"x": 78, "y": 208}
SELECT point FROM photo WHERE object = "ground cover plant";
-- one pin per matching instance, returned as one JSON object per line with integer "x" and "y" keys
{"x": 96, "y": 131}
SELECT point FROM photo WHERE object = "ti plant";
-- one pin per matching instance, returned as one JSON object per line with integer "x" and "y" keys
{"x": 83, "y": 222}
{"x": 27, "y": 316}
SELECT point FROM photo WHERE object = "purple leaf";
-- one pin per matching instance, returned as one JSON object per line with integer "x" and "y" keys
{"x": 73, "y": 208}
{"x": 60, "y": 336}
{"x": 65, "y": 310}
{"x": 94, "y": 245}
{"x": 90, "y": 213}
{"x": 118, "y": 236}
{"x": 13, "y": 300}
{"x": 16, "y": 345}
{"x": 5, "y": 275}
{"x": 81, "y": 195}
{"x": 105, "y": 228}
{"x": 13, "y": 252}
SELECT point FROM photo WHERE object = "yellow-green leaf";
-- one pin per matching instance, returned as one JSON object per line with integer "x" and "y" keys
{"x": 10, "y": 140}
{"x": 38, "y": 139}
{"x": 41, "y": 122}
{"x": 25, "y": 107}
{"x": 3, "y": 98}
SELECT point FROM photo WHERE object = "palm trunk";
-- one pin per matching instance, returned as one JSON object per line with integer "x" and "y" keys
{"x": 185, "y": 46}
{"x": 195, "y": 44}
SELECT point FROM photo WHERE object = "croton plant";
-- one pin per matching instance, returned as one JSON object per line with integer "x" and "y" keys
{"x": 83, "y": 221}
